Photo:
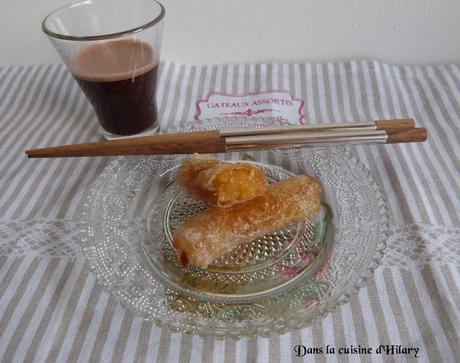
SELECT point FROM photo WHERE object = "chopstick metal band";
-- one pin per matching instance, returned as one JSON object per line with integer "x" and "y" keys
{"x": 309, "y": 138}
{"x": 309, "y": 128}
{"x": 371, "y": 125}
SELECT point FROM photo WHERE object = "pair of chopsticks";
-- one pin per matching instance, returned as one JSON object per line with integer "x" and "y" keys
{"x": 221, "y": 141}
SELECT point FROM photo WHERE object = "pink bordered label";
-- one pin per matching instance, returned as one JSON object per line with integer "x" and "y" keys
{"x": 280, "y": 105}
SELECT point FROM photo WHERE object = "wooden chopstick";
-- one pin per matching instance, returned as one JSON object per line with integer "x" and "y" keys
{"x": 180, "y": 143}
{"x": 221, "y": 141}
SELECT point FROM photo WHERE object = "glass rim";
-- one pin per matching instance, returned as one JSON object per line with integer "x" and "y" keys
{"x": 122, "y": 33}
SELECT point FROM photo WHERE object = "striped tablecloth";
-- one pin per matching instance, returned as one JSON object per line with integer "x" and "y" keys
{"x": 51, "y": 310}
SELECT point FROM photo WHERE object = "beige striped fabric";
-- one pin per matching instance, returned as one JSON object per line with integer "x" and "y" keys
{"x": 51, "y": 309}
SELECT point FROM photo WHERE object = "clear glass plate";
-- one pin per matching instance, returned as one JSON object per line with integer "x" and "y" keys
{"x": 281, "y": 281}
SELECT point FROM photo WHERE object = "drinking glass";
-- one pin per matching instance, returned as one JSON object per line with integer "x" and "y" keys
{"x": 112, "y": 49}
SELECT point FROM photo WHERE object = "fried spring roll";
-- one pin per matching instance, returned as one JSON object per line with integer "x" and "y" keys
{"x": 211, "y": 234}
{"x": 220, "y": 183}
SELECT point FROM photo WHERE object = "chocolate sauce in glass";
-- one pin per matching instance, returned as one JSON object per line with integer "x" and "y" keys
{"x": 119, "y": 79}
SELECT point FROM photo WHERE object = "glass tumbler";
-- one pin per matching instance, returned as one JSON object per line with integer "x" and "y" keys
{"x": 112, "y": 49}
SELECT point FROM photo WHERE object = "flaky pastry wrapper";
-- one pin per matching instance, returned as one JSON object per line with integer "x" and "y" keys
{"x": 216, "y": 231}
{"x": 220, "y": 183}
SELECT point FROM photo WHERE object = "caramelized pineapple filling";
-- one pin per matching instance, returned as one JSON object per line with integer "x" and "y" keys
{"x": 220, "y": 183}
{"x": 238, "y": 183}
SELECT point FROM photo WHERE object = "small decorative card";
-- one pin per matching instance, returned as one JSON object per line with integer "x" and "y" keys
{"x": 281, "y": 105}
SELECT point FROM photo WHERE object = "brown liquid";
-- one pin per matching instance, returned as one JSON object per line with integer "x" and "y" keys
{"x": 119, "y": 78}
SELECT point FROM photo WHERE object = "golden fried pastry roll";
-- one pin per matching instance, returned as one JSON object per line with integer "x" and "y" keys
{"x": 219, "y": 182}
{"x": 216, "y": 231}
